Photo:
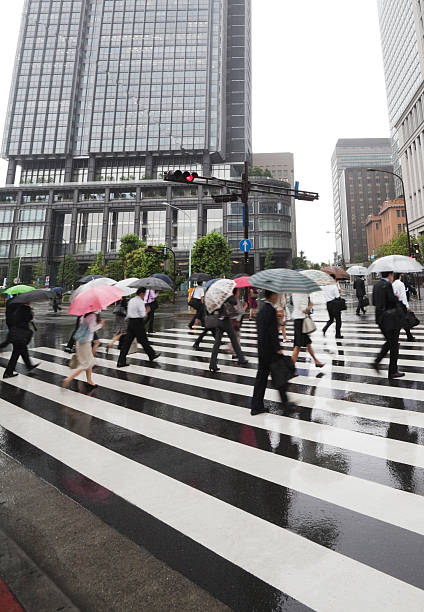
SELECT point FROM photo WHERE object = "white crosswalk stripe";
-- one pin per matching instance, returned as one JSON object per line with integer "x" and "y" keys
{"x": 322, "y": 503}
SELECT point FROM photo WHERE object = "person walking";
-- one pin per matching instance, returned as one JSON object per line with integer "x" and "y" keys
{"x": 269, "y": 350}
{"x": 151, "y": 300}
{"x": 302, "y": 306}
{"x": 399, "y": 290}
{"x": 197, "y": 302}
{"x": 19, "y": 319}
{"x": 56, "y": 303}
{"x": 282, "y": 311}
{"x": 359, "y": 286}
{"x": 84, "y": 358}
{"x": 227, "y": 311}
{"x": 120, "y": 325}
{"x": 236, "y": 321}
{"x": 136, "y": 314}
{"x": 388, "y": 318}
{"x": 252, "y": 300}
{"x": 332, "y": 297}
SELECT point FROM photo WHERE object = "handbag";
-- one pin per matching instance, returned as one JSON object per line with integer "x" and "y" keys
{"x": 339, "y": 304}
{"x": 211, "y": 321}
{"x": 308, "y": 325}
{"x": 73, "y": 362}
{"x": 412, "y": 319}
{"x": 282, "y": 370}
{"x": 365, "y": 301}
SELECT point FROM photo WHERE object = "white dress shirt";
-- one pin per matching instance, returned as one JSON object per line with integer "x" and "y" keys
{"x": 331, "y": 292}
{"x": 300, "y": 303}
{"x": 136, "y": 308}
{"x": 198, "y": 293}
{"x": 400, "y": 292}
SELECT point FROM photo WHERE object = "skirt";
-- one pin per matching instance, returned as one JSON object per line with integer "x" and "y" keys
{"x": 84, "y": 355}
{"x": 300, "y": 339}
{"x": 120, "y": 326}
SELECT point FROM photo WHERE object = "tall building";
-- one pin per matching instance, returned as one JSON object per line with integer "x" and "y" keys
{"x": 127, "y": 89}
{"x": 357, "y": 193}
{"x": 388, "y": 223}
{"x": 402, "y": 37}
{"x": 281, "y": 166}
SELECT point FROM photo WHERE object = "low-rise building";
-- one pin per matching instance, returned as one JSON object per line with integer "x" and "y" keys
{"x": 390, "y": 222}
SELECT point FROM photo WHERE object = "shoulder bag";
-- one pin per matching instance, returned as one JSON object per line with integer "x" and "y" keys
{"x": 411, "y": 319}
{"x": 308, "y": 325}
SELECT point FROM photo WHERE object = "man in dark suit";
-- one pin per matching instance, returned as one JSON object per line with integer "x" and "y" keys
{"x": 268, "y": 351}
{"x": 388, "y": 318}
{"x": 359, "y": 286}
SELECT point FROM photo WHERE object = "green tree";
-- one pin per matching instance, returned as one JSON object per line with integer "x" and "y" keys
{"x": 117, "y": 268}
{"x": 300, "y": 262}
{"x": 98, "y": 267}
{"x": 13, "y": 271}
{"x": 211, "y": 254}
{"x": 68, "y": 271}
{"x": 397, "y": 246}
{"x": 269, "y": 261}
{"x": 141, "y": 263}
{"x": 39, "y": 271}
{"x": 259, "y": 172}
{"x": 129, "y": 243}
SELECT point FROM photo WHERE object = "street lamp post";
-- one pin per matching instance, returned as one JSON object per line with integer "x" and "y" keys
{"x": 404, "y": 201}
{"x": 191, "y": 244}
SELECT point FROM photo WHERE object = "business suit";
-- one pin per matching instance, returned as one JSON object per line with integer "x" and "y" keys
{"x": 268, "y": 348}
{"x": 359, "y": 286}
{"x": 387, "y": 316}
{"x": 20, "y": 336}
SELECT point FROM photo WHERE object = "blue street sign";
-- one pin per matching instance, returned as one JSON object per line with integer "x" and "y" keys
{"x": 296, "y": 186}
{"x": 245, "y": 245}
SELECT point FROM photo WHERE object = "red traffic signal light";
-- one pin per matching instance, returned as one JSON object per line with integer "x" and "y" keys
{"x": 181, "y": 177}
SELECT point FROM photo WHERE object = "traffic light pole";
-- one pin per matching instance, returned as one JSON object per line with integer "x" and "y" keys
{"x": 245, "y": 201}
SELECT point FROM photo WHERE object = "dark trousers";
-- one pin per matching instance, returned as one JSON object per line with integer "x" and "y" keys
{"x": 392, "y": 345}
{"x": 203, "y": 334}
{"x": 200, "y": 315}
{"x": 137, "y": 330}
{"x": 335, "y": 316}
{"x": 20, "y": 340}
{"x": 407, "y": 327}
{"x": 225, "y": 326}
{"x": 264, "y": 370}
{"x": 150, "y": 321}
{"x": 360, "y": 306}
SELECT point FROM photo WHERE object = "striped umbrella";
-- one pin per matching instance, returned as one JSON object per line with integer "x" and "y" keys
{"x": 320, "y": 278}
{"x": 281, "y": 280}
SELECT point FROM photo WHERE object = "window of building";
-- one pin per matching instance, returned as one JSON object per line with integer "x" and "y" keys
{"x": 32, "y": 214}
{"x": 28, "y": 249}
{"x": 214, "y": 220}
{"x": 120, "y": 224}
{"x": 184, "y": 228}
{"x": 7, "y": 197}
{"x": 63, "y": 196}
{"x": 30, "y": 232}
{"x": 274, "y": 242}
{"x": 6, "y": 216}
{"x": 116, "y": 194}
{"x": 35, "y": 197}
{"x": 89, "y": 232}
{"x": 236, "y": 208}
{"x": 236, "y": 224}
{"x": 95, "y": 195}
{"x": 6, "y": 232}
{"x": 154, "y": 193}
{"x": 4, "y": 249}
{"x": 398, "y": 213}
{"x": 399, "y": 228}
{"x": 268, "y": 208}
{"x": 153, "y": 226}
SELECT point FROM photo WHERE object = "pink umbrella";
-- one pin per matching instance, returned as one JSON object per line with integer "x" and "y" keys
{"x": 242, "y": 281}
{"x": 94, "y": 299}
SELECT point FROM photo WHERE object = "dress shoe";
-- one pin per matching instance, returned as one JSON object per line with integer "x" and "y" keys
{"x": 243, "y": 363}
{"x": 376, "y": 366}
{"x": 319, "y": 365}
{"x": 411, "y": 339}
{"x": 68, "y": 350}
{"x": 214, "y": 369}
{"x": 10, "y": 375}
{"x": 196, "y": 347}
{"x": 155, "y": 356}
{"x": 233, "y": 356}
{"x": 30, "y": 369}
{"x": 122, "y": 365}
{"x": 396, "y": 375}
{"x": 256, "y": 411}
{"x": 339, "y": 337}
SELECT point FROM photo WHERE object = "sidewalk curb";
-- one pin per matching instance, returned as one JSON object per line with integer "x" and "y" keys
{"x": 25, "y": 585}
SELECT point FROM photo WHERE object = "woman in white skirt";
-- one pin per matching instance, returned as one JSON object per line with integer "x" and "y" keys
{"x": 301, "y": 308}
{"x": 84, "y": 335}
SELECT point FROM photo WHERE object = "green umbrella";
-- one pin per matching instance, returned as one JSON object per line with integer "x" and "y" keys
{"x": 18, "y": 289}
{"x": 281, "y": 280}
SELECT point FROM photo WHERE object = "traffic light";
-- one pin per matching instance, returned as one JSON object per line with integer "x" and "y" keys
{"x": 222, "y": 199}
{"x": 416, "y": 251}
{"x": 181, "y": 177}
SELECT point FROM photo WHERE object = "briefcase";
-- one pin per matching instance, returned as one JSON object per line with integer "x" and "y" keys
{"x": 411, "y": 319}
{"x": 282, "y": 370}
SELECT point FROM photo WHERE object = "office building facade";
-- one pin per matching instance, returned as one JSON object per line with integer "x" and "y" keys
{"x": 402, "y": 37}
{"x": 368, "y": 192}
{"x": 386, "y": 225}
{"x": 115, "y": 90}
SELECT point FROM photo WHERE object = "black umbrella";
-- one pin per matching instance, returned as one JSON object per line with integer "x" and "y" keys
{"x": 199, "y": 277}
{"x": 39, "y": 295}
{"x": 156, "y": 284}
{"x": 87, "y": 279}
{"x": 163, "y": 277}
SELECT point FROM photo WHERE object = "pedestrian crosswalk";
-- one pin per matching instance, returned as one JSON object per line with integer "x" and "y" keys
{"x": 317, "y": 506}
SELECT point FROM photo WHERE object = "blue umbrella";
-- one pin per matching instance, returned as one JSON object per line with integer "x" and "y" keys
{"x": 211, "y": 282}
{"x": 163, "y": 277}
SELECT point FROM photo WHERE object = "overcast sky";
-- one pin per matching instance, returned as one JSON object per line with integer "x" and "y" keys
{"x": 317, "y": 76}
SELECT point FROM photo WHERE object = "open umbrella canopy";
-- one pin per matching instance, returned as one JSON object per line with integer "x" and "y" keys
{"x": 18, "y": 289}
{"x": 163, "y": 277}
{"x": 282, "y": 280}
{"x": 38, "y": 295}
{"x": 395, "y": 263}
{"x": 357, "y": 270}
{"x": 57, "y": 290}
{"x": 242, "y": 281}
{"x": 218, "y": 293}
{"x": 127, "y": 282}
{"x": 88, "y": 278}
{"x": 94, "y": 299}
{"x": 156, "y": 284}
{"x": 338, "y": 272}
{"x": 320, "y": 278}
{"x": 211, "y": 282}
{"x": 96, "y": 282}
{"x": 199, "y": 277}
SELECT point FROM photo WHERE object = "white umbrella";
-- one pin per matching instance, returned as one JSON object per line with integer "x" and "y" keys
{"x": 126, "y": 282}
{"x": 97, "y": 282}
{"x": 357, "y": 270}
{"x": 395, "y": 263}
{"x": 218, "y": 293}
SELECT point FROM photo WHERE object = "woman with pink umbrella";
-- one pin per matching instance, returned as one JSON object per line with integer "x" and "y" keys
{"x": 85, "y": 305}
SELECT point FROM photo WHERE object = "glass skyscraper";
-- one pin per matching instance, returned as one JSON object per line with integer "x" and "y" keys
{"x": 125, "y": 89}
